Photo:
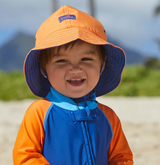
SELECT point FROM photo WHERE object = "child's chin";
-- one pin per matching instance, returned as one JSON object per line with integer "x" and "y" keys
{"x": 76, "y": 96}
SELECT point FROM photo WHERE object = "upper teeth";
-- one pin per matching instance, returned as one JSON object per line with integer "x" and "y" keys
{"x": 76, "y": 80}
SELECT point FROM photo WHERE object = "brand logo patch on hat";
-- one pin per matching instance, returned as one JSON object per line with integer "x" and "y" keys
{"x": 64, "y": 17}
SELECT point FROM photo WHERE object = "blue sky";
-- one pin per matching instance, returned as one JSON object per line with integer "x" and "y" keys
{"x": 131, "y": 22}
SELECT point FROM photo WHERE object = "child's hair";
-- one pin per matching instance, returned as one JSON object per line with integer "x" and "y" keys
{"x": 45, "y": 54}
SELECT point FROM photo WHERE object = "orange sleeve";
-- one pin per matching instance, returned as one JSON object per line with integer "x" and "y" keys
{"x": 29, "y": 143}
{"x": 119, "y": 150}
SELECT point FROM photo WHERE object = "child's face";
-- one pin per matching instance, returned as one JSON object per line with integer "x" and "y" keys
{"x": 75, "y": 71}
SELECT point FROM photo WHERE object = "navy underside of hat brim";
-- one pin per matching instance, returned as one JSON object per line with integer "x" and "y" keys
{"x": 38, "y": 84}
{"x": 111, "y": 76}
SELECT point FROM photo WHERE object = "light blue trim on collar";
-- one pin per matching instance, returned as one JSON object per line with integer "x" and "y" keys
{"x": 66, "y": 103}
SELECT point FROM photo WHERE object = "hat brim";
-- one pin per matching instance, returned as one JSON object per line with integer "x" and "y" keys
{"x": 109, "y": 79}
{"x": 65, "y": 36}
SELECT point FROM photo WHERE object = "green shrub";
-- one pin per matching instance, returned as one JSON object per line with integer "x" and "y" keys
{"x": 136, "y": 81}
{"x": 13, "y": 86}
{"x": 153, "y": 63}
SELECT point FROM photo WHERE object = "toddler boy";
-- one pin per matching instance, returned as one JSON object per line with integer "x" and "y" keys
{"x": 71, "y": 64}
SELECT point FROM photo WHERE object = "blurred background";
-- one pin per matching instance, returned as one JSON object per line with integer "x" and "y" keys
{"x": 133, "y": 25}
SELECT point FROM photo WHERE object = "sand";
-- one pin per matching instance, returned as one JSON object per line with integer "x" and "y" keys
{"x": 140, "y": 117}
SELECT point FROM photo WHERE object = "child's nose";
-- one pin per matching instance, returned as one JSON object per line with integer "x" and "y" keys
{"x": 75, "y": 69}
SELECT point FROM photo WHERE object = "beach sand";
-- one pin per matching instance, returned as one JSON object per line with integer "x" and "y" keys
{"x": 140, "y": 117}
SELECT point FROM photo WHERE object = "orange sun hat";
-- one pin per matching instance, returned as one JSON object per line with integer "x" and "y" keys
{"x": 68, "y": 24}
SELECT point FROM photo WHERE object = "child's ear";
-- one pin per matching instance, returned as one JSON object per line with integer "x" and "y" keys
{"x": 103, "y": 66}
{"x": 43, "y": 72}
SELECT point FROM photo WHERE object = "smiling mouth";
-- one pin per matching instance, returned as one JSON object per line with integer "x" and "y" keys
{"x": 76, "y": 82}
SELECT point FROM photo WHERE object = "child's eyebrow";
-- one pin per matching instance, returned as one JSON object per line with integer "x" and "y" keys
{"x": 91, "y": 52}
{"x": 87, "y": 52}
{"x": 57, "y": 55}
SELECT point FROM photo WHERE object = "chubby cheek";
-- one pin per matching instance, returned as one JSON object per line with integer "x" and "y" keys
{"x": 56, "y": 77}
{"x": 94, "y": 79}
{"x": 94, "y": 75}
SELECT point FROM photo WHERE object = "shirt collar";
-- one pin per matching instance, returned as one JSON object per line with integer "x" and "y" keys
{"x": 70, "y": 104}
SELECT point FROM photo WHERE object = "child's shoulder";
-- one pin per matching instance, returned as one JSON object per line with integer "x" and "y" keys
{"x": 39, "y": 107}
{"x": 42, "y": 103}
{"x": 107, "y": 110}
{"x": 110, "y": 114}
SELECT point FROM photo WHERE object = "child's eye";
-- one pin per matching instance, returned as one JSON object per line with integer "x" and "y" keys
{"x": 86, "y": 59}
{"x": 61, "y": 61}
